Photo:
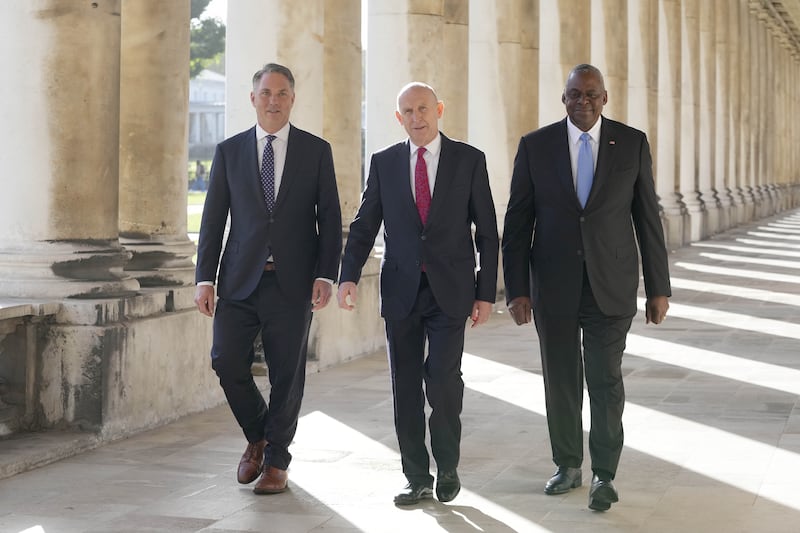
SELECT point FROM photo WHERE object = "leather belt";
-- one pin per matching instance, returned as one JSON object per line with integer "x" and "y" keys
{"x": 269, "y": 267}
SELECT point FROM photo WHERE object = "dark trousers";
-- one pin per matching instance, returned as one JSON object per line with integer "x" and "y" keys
{"x": 563, "y": 367}
{"x": 283, "y": 325}
{"x": 441, "y": 373}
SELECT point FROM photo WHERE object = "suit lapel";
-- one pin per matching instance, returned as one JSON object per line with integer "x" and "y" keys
{"x": 290, "y": 167}
{"x": 251, "y": 165}
{"x": 400, "y": 181}
{"x": 563, "y": 163}
{"x": 606, "y": 152}
{"x": 445, "y": 174}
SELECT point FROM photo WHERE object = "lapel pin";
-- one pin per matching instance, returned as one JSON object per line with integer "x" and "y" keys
{"x": 612, "y": 142}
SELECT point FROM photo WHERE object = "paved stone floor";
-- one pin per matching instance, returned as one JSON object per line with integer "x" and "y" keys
{"x": 712, "y": 432}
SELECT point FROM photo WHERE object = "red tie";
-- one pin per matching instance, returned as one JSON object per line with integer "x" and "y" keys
{"x": 421, "y": 188}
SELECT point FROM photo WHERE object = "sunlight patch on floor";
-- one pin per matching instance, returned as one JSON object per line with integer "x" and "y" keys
{"x": 727, "y": 320}
{"x": 738, "y": 291}
{"x": 765, "y": 375}
{"x": 669, "y": 438}
{"x": 319, "y": 434}
{"x": 746, "y": 250}
{"x": 738, "y": 272}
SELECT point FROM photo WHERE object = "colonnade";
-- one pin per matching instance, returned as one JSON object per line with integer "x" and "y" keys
{"x": 94, "y": 155}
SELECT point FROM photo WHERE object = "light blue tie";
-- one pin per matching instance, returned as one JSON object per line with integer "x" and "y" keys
{"x": 583, "y": 182}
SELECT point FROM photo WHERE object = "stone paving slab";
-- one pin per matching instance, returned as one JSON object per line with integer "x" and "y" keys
{"x": 712, "y": 427}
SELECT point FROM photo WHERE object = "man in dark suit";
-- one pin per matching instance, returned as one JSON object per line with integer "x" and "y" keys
{"x": 427, "y": 191}
{"x": 579, "y": 189}
{"x": 277, "y": 184}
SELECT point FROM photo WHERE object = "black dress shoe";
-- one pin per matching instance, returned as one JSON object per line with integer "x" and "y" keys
{"x": 413, "y": 493}
{"x": 447, "y": 485}
{"x": 564, "y": 480}
{"x": 602, "y": 494}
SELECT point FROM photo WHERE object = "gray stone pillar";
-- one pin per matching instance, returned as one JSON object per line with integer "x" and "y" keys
{"x": 668, "y": 124}
{"x": 707, "y": 110}
{"x": 735, "y": 108}
{"x": 58, "y": 212}
{"x": 342, "y": 99}
{"x": 642, "y": 52}
{"x": 321, "y": 43}
{"x": 609, "y": 47}
{"x": 154, "y": 103}
{"x": 722, "y": 123}
{"x": 746, "y": 83}
{"x": 688, "y": 137}
{"x": 426, "y": 41}
{"x": 564, "y": 41}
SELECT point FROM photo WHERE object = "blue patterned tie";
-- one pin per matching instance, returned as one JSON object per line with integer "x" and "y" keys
{"x": 583, "y": 183}
{"x": 268, "y": 173}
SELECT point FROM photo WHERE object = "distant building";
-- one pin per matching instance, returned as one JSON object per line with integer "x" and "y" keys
{"x": 206, "y": 114}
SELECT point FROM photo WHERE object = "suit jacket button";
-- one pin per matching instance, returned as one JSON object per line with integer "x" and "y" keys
{"x": 424, "y": 237}
{"x": 580, "y": 252}
{"x": 271, "y": 220}
{"x": 582, "y": 219}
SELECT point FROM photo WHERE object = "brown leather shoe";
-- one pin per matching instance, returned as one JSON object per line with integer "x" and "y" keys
{"x": 273, "y": 480}
{"x": 250, "y": 464}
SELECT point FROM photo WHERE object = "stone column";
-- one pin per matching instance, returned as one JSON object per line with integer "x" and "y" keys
{"x": 688, "y": 138}
{"x": 320, "y": 41}
{"x": 58, "y": 213}
{"x": 669, "y": 120}
{"x": 154, "y": 103}
{"x": 609, "y": 48}
{"x": 642, "y": 69}
{"x": 564, "y": 41}
{"x": 706, "y": 113}
{"x": 722, "y": 126}
{"x": 767, "y": 91}
{"x": 342, "y": 99}
{"x": 415, "y": 40}
{"x": 735, "y": 107}
{"x": 744, "y": 189}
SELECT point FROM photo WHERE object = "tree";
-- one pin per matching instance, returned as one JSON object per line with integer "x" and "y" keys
{"x": 207, "y": 39}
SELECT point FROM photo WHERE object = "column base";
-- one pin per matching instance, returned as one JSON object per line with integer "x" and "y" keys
{"x": 160, "y": 264}
{"x": 65, "y": 269}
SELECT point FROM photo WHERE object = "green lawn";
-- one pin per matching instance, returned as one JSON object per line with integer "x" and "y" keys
{"x": 197, "y": 198}
{"x": 193, "y": 218}
{"x": 193, "y": 222}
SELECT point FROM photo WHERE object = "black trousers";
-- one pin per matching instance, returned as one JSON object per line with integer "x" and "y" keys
{"x": 441, "y": 373}
{"x": 564, "y": 365}
{"x": 283, "y": 325}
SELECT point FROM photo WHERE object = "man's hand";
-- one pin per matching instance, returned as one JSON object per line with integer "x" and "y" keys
{"x": 480, "y": 312}
{"x": 347, "y": 289}
{"x": 320, "y": 294}
{"x": 655, "y": 309}
{"x": 520, "y": 309}
{"x": 204, "y": 299}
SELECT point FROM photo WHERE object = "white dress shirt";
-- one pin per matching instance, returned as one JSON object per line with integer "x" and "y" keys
{"x": 574, "y": 134}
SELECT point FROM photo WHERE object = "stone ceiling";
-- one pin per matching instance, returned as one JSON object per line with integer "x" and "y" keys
{"x": 784, "y": 17}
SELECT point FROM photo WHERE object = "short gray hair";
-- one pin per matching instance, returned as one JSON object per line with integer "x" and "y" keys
{"x": 273, "y": 67}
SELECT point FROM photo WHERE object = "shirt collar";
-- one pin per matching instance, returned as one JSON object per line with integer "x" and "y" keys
{"x": 433, "y": 147}
{"x": 575, "y": 132}
{"x": 282, "y": 134}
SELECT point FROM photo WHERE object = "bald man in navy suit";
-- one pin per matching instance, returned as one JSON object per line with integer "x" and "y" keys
{"x": 277, "y": 184}
{"x": 428, "y": 191}
{"x": 583, "y": 207}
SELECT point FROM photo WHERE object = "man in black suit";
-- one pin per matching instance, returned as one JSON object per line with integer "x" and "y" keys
{"x": 427, "y": 191}
{"x": 277, "y": 184}
{"x": 579, "y": 189}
